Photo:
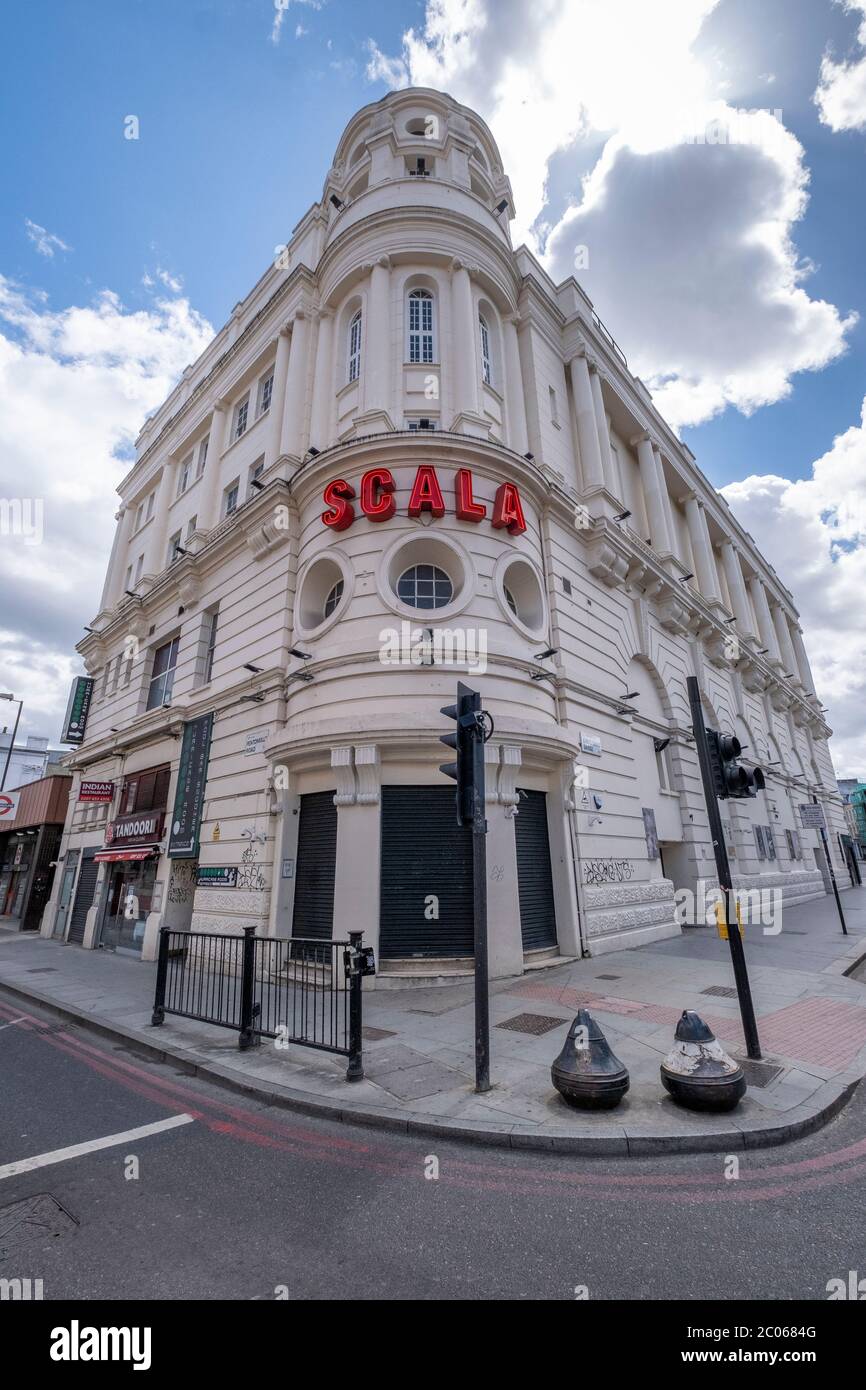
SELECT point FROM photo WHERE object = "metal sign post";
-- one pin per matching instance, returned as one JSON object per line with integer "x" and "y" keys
{"x": 723, "y": 869}
{"x": 814, "y": 820}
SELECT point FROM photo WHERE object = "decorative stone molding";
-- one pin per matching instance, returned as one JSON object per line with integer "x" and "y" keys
{"x": 189, "y": 590}
{"x": 606, "y": 563}
{"x": 368, "y": 771}
{"x": 341, "y": 765}
{"x": 491, "y": 772}
{"x": 512, "y": 758}
{"x": 674, "y": 616}
{"x": 264, "y": 537}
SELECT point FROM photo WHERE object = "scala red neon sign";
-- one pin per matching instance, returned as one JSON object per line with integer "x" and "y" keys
{"x": 377, "y": 500}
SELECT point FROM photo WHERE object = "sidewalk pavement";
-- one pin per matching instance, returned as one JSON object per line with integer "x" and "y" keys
{"x": 418, "y": 1042}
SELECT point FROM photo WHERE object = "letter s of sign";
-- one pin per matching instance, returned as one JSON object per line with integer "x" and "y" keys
{"x": 377, "y": 500}
{"x": 342, "y": 513}
{"x": 507, "y": 510}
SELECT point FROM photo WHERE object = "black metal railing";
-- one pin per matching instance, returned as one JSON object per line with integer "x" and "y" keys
{"x": 292, "y": 989}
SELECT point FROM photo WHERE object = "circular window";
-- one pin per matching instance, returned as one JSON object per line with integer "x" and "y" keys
{"x": 425, "y": 586}
{"x": 521, "y": 593}
{"x": 322, "y": 587}
{"x": 334, "y": 596}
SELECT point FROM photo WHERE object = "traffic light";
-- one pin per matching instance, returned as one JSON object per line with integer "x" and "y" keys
{"x": 465, "y": 742}
{"x": 729, "y": 778}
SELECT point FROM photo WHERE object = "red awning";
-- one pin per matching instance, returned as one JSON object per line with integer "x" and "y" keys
{"x": 111, "y": 856}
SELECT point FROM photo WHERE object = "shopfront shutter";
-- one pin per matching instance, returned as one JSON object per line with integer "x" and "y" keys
{"x": 426, "y": 886}
{"x": 83, "y": 897}
{"x": 313, "y": 914}
{"x": 534, "y": 879}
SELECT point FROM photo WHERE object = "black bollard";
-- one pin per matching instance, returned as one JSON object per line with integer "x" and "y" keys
{"x": 697, "y": 1071}
{"x": 586, "y": 1073}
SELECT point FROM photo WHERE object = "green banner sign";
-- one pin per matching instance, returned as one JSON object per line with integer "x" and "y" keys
{"x": 75, "y": 719}
{"x": 191, "y": 782}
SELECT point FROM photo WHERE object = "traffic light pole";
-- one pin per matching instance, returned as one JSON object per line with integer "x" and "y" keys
{"x": 723, "y": 869}
{"x": 825, "y": 843}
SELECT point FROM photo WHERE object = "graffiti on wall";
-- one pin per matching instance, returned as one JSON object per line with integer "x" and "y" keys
{"x": 598, "y": 871}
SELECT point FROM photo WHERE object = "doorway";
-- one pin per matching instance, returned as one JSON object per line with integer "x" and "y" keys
{"x": 128, "y": 902}
{"x": 64, "y": 900}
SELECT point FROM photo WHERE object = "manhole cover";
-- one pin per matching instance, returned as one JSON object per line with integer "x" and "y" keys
{"x": 371, "y": 1034}
{"x": 43, "y": 970}
{"x": 535, "y": 1024}
{"x": 758, "y": 1073}
{"x": 608, "y": 977}
{"x": 32, "y": 1219}
{"x": 721, "y": 991}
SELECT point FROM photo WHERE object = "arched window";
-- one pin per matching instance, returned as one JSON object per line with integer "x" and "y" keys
{"x": 425, "y": 586}
{"x": 334, "y": 596}
{"x": 485, "y": 350}
{"x": 355, "y": 347}
{"x": 420, "y": 326}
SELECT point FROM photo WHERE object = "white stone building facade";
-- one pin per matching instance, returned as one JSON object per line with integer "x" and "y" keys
{"x": 407, "y": 427}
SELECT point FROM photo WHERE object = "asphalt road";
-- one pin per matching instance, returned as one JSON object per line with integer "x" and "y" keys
{"x": 245, "y": 1201}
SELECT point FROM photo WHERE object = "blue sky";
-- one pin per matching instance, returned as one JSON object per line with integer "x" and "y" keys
{"x": 118, "y": 256}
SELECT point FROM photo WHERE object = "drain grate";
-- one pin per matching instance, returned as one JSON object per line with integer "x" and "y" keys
{"x": 608, "y": 977}
{"x": 534, "y": 1024}
{"x": 43, "y": 970}
{"x": 721, "y": 991}
{"x": 371, "y": 1034}
{"x": 758, "y": 1073}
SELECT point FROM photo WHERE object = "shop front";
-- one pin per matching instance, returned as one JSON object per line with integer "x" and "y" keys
{"x": 28, "y": 852}
{"x": 131, "y": 857}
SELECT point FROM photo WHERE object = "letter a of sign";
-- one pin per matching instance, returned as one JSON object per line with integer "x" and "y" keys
{"x": 507, "y": 510}
{"x": 342, "y": 513}
{"x": 426, "y": 493}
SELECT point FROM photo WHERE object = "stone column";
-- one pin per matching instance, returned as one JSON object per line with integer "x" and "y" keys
{"x": 278, "y": 396}
{"x": 766, "y": 629}
{"x": 376, "y": 370}
{"x": 292, "y": 432}
{"x": 704, "y": 560}
{"x": 803, "y": 666}
{"x": 655, "y": 495}
{"x": 736, "y": 587}
{"x": 117, "y": 564}
{"x": 464, "y": 344}
{"x": 603, "y": 429}
{"x": 515, "y": 405}
{"x": 357, "y": 884}
{"x": 154, "y": 560}
{"x": 786, "y": 646}
{"x": 208, "y": 514}
{"x": 322, "y": 381}
{"x": 587, "y": 432}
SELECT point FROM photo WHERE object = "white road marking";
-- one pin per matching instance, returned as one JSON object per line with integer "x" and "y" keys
{"x": 13, "y": 1021}
{"x": 26, "y": 1165}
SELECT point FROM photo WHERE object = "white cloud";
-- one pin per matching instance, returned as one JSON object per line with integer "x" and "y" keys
{"x": 841, "y": 92}
{"x": 281, "y": 8}
{"x": 813, "y": 531}
{"x": 76, "y": 384}
{"x": 692, "y": 262}
{"x": 171, "y": 282}
{"x": 46, "y": 243}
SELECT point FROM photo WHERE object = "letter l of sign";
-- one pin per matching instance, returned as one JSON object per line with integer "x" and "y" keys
{"x": 467, "y": 508}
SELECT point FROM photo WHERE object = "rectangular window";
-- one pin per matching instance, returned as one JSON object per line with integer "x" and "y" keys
{"x": 139, "y": 517}
{"x": 127, "y": 583}
{"x": 420, "y": 326}
{"x": 424, "y": 423}
{"x": 266, "y": 390}
{"x": 554, "y": 406}
{"x": 183, "y": 476}
{"x": 769, "y": 842}
{"x": 162, "y": 677}
{"x": 150, "y": 504}
{"x": 256, "y": 471}
{"x": 202, "y": 456}
{"x": 171, "y": 554}
{"x": 190, "y": 526}
{"x": 211, "y": 646}
{"x": 759, "y": 841}
{"x": 241, "y": 412}
{"x": 139, "y": 566}
{"x": 230, "y": 498}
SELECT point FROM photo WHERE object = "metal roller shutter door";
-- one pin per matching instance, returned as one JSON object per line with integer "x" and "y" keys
{"x": 87, "y": 875}
{"x": 424, "y": 853}
{"x": 317, "y": 858}
{"x": 534, "y": 879}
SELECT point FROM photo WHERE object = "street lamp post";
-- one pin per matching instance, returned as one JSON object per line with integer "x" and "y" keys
{"x": 20, "y": 703}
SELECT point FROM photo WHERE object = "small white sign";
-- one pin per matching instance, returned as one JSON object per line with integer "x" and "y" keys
{"x": 255, "y": 741}
{"x": 590, "y": 743}
{"x": 813, "y": 817}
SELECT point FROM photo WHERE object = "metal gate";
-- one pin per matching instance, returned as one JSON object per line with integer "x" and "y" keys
{"x": 426, "y": 887}
{"x": 534, "y": 879}
{"x": 313, "y": 914}
{"x": 83, "y": 897}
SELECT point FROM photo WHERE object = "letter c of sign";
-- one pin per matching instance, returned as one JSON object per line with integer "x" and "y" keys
{"x": 377, "y": 501}
{"x": 342, "y": 513}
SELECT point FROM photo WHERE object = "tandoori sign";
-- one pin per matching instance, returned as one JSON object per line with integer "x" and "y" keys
{"x": 376, "y": 500}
